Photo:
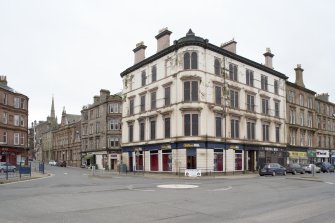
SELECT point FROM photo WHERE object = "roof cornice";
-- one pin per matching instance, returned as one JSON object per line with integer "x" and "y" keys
{"x": 300, "y": 88}
{"x": 198, "y": 41}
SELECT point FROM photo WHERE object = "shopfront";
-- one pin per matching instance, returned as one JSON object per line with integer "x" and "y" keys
{"x": 332, "y": 154}
{"x": 311, "y": 156}
{"x": 258, "y": 155}
{"x": 166, "y": 157}
{"x": 297, "y": 157}
{"x": 322, "y": 155}
{"x": 11, "y": 155}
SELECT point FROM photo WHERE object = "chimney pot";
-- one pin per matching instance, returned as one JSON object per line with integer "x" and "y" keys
{"x": 163, "y": 39}
{"x": 299, "y": 80}
{"x": 3, "y": 80}
{"x": 268, "y": 58}
{"x": 230, "y": 46}
{"x": 139, "y": 52}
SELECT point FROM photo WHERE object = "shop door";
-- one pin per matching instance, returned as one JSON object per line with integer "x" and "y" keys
{"x": 130, "y": 162}
{"x": 251, "y": 160}
{"x": 191, "y": 159}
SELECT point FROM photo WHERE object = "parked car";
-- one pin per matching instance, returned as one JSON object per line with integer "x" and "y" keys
{"x": 6, "y": 166}
{"x": 52, "y": 163}
{"x": 272, "y": 169}
{"x": 294, "y": 168}
{"x": 61, "y": 163}
{"x": 309, "y": 167}
{"x": 325, "y": 167}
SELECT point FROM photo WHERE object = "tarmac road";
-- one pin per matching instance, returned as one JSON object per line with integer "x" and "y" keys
{"x": 72, "y": 195}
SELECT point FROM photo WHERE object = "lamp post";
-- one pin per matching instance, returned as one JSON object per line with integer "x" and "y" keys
{"x": 225, "y": 97}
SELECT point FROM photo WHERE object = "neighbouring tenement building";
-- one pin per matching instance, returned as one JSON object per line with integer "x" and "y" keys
{"x": 13, "y": 124}
{"x": 300, "y": 121}
{"x": 101, "y": 131}
{"x": 195, "y": 105}
{"x": 325, "y": 121}
{"x": 66, "y": 140}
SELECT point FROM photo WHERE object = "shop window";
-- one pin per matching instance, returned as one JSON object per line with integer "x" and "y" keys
{"x": 238, "y": 159}
{"x": 139, "y": 160}
{"x": 167, "y": 160}
{"x": 154, "y": 160}
{"x": 218, "y": 160}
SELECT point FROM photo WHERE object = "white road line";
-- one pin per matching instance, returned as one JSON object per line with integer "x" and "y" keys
{"x": 222, "y": 189}
{"x": 329, "y": 183}
{"x": 131, "y": 187}
{"x": 65, "y": 173}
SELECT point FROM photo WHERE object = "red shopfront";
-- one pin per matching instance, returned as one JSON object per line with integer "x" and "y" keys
{"x": 8, "y": 155}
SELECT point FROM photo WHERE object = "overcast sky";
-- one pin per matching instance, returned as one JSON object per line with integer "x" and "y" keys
{"x": 72, "y": 49}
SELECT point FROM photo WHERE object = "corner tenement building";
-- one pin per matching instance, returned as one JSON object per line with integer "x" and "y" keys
{"x": 194, "y": 105}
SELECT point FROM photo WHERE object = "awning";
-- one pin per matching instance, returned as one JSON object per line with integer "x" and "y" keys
{"x": 88, "y": 157}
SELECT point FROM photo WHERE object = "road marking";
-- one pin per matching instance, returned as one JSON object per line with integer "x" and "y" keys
{"x": 177, "y": 186}
{"x": 65, "y": 173}
{"x": 222, "y": 189}
{"x": 131, "y": 187}
{"x": 329, "y": 183}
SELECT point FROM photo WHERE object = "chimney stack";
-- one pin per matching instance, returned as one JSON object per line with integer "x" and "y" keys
{"x": 163, "y": 39}
{"x": 139, "y": 52}
{"x": 230, "y": 46}
{"x": 104, "y": 94}
{"x": 298, "y": 76}
{"x": 323, "y": 97}
{"x": 268, "y": 58}
{"x": 3, "y": 80}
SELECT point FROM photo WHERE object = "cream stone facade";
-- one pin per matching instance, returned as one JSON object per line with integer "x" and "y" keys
{"x": 194, "y": 105}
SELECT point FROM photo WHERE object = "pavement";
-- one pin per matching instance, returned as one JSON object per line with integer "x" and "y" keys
{"x": 24, "y": 177}
{"x": 111, "y": 174}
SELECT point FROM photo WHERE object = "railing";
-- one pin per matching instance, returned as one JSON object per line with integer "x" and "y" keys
{"x": 21, "y": 171}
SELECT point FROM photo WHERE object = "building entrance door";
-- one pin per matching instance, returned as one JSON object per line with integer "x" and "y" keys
{"x": 251, "y": 160}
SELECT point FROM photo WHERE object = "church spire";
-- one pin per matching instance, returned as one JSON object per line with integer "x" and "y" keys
{"x": 52, "y": 115}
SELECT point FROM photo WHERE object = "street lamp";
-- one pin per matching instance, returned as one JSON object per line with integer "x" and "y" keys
{"x": 225, "y": 97}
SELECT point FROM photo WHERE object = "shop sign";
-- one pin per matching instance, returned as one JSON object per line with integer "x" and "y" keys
{"x": 7, "y": 150}
{"x": 166, "y": 146}
{"x": 322, "y": 153}
{"x": 192, "y": 173}
{"x": 113, "y": 155}
{"x": 233, "y": 147}
{"x": 311, "y": 153}
{"x": 297, "y": 154}
{"x": 191, "y": 145}
{"x": 271, "y": 149}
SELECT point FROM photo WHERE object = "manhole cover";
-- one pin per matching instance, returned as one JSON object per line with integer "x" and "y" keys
{"x": 177, "y": 186}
